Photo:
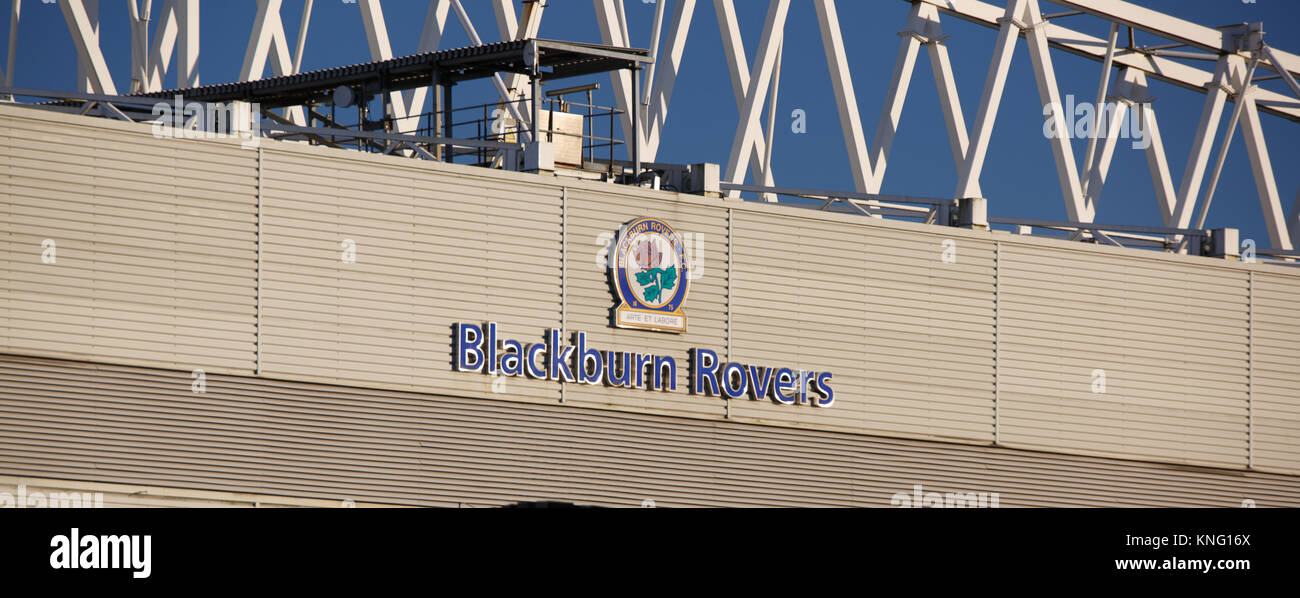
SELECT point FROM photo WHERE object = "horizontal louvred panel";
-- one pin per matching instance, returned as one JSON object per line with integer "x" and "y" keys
{"x": 154, "y": 244}
{"x": 427, "y": 248}
{"x": 1165, "y": 341}
{"x": 878, "y": 308}
{"x": 1275, "y": 368}
{"x": 113, "y": 424}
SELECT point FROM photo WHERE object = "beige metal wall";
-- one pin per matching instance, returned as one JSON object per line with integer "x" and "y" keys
{"x": 154, "y": 244}
{"x": 43, "y": 493}
{"x": 431, "y": 248}
{"x": 162, "y": 268}
{"x": 1170, "y": 340}
{"x": 1275, "y": 372}
{"x": 908, "y": 336}
{"x": 111, "y": 424}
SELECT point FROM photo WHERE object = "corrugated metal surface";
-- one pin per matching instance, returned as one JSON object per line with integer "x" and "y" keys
{"x": 877, "y": 307}
{"x": 1170, "y": 339}
{"x": 158, "y": 269}
{"x": 138, "y": 426}
{"x": 154, "y": 244}
{"x": 432, "y": 248}
{"x": 31, "y": 493}
{"x": 1275, "y": 367}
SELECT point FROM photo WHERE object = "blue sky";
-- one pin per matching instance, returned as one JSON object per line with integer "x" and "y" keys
{"x": 1019, "y": 176}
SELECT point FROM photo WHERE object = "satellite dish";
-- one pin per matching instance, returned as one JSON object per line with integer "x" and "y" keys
{"x": 343, "y": 96}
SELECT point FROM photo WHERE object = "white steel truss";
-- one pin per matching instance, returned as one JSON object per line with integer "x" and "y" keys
{"x": 1238, "y": 54}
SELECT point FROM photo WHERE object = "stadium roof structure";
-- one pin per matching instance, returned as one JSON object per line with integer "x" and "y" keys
{"x": 554, "y": 60}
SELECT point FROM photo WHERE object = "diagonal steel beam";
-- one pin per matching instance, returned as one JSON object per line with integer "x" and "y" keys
{"x": 1203, "y": 144}
{"x": 613, "y": 32}
{"x": 668, "y": 64}
{"x": 372, "y": 21}
{"x": 1270, "y": 201}
{"x": 510, "y": 29}
{"x": 864, "y": 168}
{"x": 749, "y": 125}
{"x": 738, "y": 66}
{"x": 994, "y": 85}
{"x": 1107, "y": 132}
{"x": 16, "y": 10}
{"x": 946, "y": 84}
{"x": 266, "y": 42}
{"x": 1050, "y": 94}
{"x": 1243, "y": 88}
{"x": 654, "y": 52}
{"x": 1275, "y": 60}
{"x": 139, "y": 26}
{"x": 1157, "y": 162}
{"x": 923, "y": 28}
{"x": 187, "y": 43}
{"x": 164, "y": 43}
{"x": 1155, "y": 67}
{"x": 302, "y": 36}
{"x": 497, "y": 81}
{"x": 85, "y": 37}
{"x": 1101, "y": 101}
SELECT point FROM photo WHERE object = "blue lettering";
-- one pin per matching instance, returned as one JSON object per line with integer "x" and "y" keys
{"x": 559, "y": 359}
{"x": 733, "y": 380}
{"x": 665, "y": 373}
{"x": 491, "y": 347}
{"x": 704, "y": 370}
{"x": 588, "y": 360}
{"x": 824, "y": 388}
{"x": 760, "y": 378}
{"x": 512, "y": 362}
{"x": 469, "y": 354}
{"x": 784, "y": 382}
{"x": 535, "y": 352}
{"x": 642, "y": 361}
{"x": 612, "y": 365}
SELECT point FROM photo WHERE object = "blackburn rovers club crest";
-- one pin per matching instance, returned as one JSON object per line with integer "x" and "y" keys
{"x": 650, "y": 276}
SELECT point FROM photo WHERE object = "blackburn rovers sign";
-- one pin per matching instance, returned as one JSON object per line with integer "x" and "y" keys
{"x": 648, "y": 273}
{"x": 650, "y": 276}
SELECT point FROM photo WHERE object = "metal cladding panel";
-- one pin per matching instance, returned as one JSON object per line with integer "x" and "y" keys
{"x": 591, "y": 221}
{"x": 833, "y": 294}
{"x": 158, "y": 266}
{"x": 154, "y": 244}
{"x": 112, "y": 424}
{"x": 1169, "y": 338}
{"x": 429, "y": 248}
{"x": 1275, "y": 372}
{"x": 29, "y": 492}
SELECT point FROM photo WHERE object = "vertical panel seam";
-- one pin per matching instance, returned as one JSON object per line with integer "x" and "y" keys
{"x": 257, "y": 283}
{"x": 726, "y": 405}
{"x": 564, "y": 268}
{"x": 997, "y": 289}
{"x": 1250, "y": 369}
